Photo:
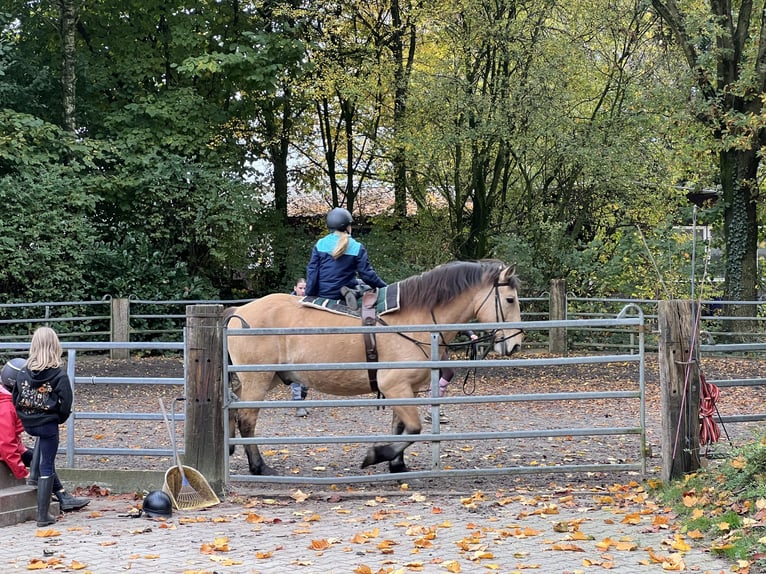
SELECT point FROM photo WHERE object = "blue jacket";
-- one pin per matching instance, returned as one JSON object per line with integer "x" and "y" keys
{"x": 326, "y": 276}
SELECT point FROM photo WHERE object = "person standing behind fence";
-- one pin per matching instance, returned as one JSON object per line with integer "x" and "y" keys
{"x": 297, "y": 390}
{"x": 43, "y": 399}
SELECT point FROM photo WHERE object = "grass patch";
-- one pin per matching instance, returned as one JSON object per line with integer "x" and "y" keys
{"x": 725, "y": 504}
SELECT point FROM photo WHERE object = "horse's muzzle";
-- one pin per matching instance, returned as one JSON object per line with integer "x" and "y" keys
{"x": 507, "y": 345}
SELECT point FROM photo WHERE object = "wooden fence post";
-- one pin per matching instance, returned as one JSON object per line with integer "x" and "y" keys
{"x": 680, "y": 390}
{"x": 557, "y": 337}
{"x": 204, "y": 393}
{"x": 119, "y": 327}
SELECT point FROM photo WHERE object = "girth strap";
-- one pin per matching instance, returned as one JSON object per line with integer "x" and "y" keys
{"x": 369, "y": 318}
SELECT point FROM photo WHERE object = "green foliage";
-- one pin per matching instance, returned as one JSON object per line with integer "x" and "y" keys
{"x": 725, "y": 502}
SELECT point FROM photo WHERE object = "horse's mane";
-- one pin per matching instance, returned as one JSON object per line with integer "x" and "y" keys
{"x": 445, "y": 282}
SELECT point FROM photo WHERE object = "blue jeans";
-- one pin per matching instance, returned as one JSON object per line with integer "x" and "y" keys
{"x": 48, "y": 443}
{"x": 298, "y": 391}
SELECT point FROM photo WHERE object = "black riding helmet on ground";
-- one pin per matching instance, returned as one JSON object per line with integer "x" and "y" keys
{"x": 339, "y": 219}
{"x": 157, "y": 503}
{"x": 10, "y": 372}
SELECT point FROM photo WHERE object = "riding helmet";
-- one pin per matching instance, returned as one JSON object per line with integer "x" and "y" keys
{"x": 339, "y": 219}
{"x": 157, "y": 503}
{"x": 11, "y": 371}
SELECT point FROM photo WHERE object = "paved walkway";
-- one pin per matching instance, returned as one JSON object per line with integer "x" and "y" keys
{"x": 357, "y": 532}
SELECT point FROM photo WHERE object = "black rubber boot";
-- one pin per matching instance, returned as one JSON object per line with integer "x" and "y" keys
{"x": 44, "y": 487}
{"x": 68, "y": 502}
{"x": 34, "y": 467}
{"x": 350, "y": 296}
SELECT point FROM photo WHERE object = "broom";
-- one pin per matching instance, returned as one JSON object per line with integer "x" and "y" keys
{"x": 188, "y": 497}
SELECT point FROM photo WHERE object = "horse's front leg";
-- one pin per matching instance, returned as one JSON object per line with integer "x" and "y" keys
{"x": 255, "y": 461}
{"x": 405, "y": 421}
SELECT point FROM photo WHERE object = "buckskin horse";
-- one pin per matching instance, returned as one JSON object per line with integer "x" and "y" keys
{"x": 456, "y": 292}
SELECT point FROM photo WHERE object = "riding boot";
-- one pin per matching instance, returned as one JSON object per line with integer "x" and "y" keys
{"x": 44, "y": 488}
{"x": 34, "y": 466}
{"x": 350, "y": 296}
{"x": 68, "y": 502}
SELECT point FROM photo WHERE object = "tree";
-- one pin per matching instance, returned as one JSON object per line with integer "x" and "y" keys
{"x": 725, "y": 50}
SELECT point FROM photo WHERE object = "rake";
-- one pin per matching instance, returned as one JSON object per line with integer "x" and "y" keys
{"x": 188, "y": 489}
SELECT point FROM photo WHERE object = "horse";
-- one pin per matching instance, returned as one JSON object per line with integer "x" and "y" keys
{"x": 457, "y": 292}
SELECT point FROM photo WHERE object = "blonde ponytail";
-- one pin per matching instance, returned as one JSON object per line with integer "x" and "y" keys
{"x": 340, "y": 248}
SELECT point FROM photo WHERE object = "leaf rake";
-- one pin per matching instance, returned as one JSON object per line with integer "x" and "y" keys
{"x": 186, "y": 496}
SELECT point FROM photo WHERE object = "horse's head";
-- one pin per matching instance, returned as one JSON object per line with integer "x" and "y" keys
{"x": 501, "y": 305}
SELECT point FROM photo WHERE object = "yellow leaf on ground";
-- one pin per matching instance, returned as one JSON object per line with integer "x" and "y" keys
{"x": 738, "y": 462}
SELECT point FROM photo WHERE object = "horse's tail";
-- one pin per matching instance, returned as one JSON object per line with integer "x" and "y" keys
{"x": 231, "y": 313}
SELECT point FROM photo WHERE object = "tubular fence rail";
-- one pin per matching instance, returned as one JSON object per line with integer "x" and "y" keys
{"x": 157, "y": 327}
{"x": 119, "y": 320}
{"x": 635, "y": 461}
{"x": 69, "y": 448}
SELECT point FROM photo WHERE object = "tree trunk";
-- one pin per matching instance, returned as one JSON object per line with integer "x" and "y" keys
{"x": 738, "y": 178}
{"x": 401, "y": 88}
{"x": 67, "y": 23}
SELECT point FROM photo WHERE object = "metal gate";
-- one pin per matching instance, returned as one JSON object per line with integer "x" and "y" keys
{"x": 621, "y": 432}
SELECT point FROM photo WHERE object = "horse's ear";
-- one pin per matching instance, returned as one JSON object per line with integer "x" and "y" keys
{"x": 507, "y": 273}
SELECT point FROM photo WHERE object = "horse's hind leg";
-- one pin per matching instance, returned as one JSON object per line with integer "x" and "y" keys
{"x": 397, "y": 464}
{"x": 394, "y": 452}
{"x": 254, "y": 388}
{"x": 234, "y": 390}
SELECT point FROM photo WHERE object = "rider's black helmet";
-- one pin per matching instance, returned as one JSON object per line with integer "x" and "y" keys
{"x": 157, "y": 503}
{"x": 339, "y": 219}
{"x": 10, "y": 371}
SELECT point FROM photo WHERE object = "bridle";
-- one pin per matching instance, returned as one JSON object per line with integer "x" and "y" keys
{"x": 499, "y": 314}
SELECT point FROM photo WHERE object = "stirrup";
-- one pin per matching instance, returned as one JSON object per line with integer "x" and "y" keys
{"x": 350, "y": 296}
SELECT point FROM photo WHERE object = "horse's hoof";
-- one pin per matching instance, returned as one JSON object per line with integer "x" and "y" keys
{"x": 264, "y": 471}
{"x": 394, "y": 468}
{"x": 370, "y": 459}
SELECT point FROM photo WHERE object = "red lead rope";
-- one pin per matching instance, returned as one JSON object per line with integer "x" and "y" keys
{"x": 709, "y": 431}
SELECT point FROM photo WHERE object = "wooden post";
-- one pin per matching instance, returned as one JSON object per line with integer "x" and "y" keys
{"x": 679, "y": 390}
{"x": 204, "y": 393}
{"x": 557, "y": 338}
{"x": 119, "y": 328}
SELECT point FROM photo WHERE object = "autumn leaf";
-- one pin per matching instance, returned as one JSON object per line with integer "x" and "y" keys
{"x": 567, "y": 547}
{"x": 47, "y": 533}
{"x": 299, "y": 496}
{"x": 451, "y": 566}
{"x": 321, "y": 544}
{"x": 739, "y": 462}
{"x": 674, "y": 563}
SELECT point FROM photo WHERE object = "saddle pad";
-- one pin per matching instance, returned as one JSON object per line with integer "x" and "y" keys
{"x": 330, "y": 305}
{"x": 386, "y": 302}
{"x": 388, "y": 299}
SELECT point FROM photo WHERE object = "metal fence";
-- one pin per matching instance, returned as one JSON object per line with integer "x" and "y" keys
{"x": 591, "y": 328}
{"x": 69, "y": 447}
{"x": 164, "y": 320}
{"x": 436, "y": 437}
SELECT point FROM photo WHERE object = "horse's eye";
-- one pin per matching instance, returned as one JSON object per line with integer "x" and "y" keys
{"x": 510, "y": 300}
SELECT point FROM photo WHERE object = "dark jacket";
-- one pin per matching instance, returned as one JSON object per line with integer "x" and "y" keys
{"x": 326, "y": 276}
{"x": 61, "y": 396}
